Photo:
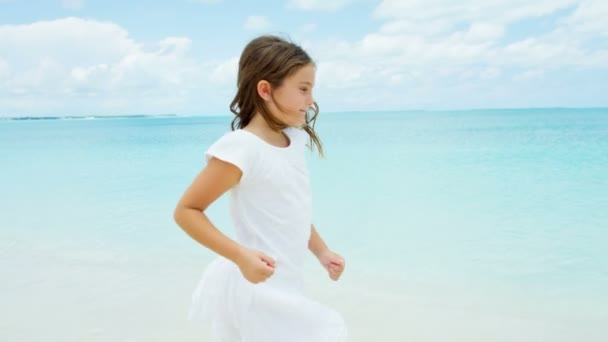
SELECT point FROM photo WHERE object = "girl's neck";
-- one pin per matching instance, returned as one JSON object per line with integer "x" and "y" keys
{"x": 260, "y": 127}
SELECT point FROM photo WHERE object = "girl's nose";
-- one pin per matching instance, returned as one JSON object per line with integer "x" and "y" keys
{"x": 311, "y": 101}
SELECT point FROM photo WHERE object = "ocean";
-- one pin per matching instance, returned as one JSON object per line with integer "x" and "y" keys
{"x": 478, "y": 225}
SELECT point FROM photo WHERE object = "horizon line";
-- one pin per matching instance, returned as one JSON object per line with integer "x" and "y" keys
{"x": 109, "y": 116}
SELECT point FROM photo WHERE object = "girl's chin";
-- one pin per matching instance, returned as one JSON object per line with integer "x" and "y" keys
{"x": 300, "y": 122}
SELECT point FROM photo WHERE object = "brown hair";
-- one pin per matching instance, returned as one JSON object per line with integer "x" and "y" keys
{"x": 272, "y": 59}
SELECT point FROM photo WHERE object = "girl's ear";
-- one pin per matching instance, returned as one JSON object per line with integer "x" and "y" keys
{"x": 264, "y": 90}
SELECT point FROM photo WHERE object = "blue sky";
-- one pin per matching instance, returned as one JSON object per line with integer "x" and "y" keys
{"x": 80, "y": 57}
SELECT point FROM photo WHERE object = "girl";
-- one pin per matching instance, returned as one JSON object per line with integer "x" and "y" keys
{"x": 253, "y": 291}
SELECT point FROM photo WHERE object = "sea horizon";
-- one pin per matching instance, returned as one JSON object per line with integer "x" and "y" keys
{"x": 433, "y": 110}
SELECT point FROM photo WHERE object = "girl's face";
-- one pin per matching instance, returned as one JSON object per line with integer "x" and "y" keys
{"x": 294, "y": 97}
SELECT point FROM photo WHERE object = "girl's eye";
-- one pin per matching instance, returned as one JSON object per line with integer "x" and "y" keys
{"x": 303, "y": 89}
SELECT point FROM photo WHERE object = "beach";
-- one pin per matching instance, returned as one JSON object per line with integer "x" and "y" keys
{"x": 485, "y": 225}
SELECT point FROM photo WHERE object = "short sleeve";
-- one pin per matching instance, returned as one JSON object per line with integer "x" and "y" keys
{"x": 233, "y": 149}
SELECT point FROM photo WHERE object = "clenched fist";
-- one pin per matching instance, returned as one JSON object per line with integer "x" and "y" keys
{"x": 255, "y": 266}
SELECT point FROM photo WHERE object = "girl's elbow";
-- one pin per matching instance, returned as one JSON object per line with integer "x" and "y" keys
{"x": 178, "y": 213}
{"x": 181, "y": 211}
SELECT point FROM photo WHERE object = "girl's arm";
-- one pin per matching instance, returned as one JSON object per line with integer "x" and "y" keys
{"x": 214, "y": 180}
{"x": 217, "y": 178}
{"x": 316, "y": 244}
{"x": 332, "y": 262}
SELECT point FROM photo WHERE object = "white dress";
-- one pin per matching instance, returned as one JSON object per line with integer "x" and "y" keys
{"x": 271, "y": 211}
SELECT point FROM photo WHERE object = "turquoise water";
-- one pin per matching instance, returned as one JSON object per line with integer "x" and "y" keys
{"x": 508, "y": 205}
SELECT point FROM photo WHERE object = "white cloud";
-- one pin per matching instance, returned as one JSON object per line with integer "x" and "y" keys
{"x": 399, "y": 42}
{"x": 178, "y": 46}
{"x": 424, "y": 49}
{"x": 482, "y": 32}
{"x": 335, "y": 74}
{"x": 225, "y": 72}
{"x": 428, "y": 28}
{"x": 256, "y": 23}
{"x": 71, "y": 40}
{"x": 420, "y": 55}
{"x": 52, "y": 65}
{"x": 73, "y": 4}
{"x": 454, "y": 12}
{"x": 318, "y": 5}
{"x": 590, "y": 16}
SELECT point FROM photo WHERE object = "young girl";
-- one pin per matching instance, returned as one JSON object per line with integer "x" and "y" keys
{"x": 253, "y": 291}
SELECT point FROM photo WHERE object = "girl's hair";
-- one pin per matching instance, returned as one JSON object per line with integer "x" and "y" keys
{"x": 272, "y": 59}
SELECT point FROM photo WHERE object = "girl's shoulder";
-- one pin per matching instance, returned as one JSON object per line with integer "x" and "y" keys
{"x": 244, "y": 142}
{"x": 297, "y": 137}
{"x": 235, "y": 136}
{"x": 236, "y": 148}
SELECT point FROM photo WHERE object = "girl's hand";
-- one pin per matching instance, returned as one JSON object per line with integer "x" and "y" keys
{"x": 255, "y": 266}
{"x": 333, "y": 263}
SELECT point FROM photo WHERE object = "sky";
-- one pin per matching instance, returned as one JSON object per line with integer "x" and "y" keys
{"x": 84, "y": 57}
